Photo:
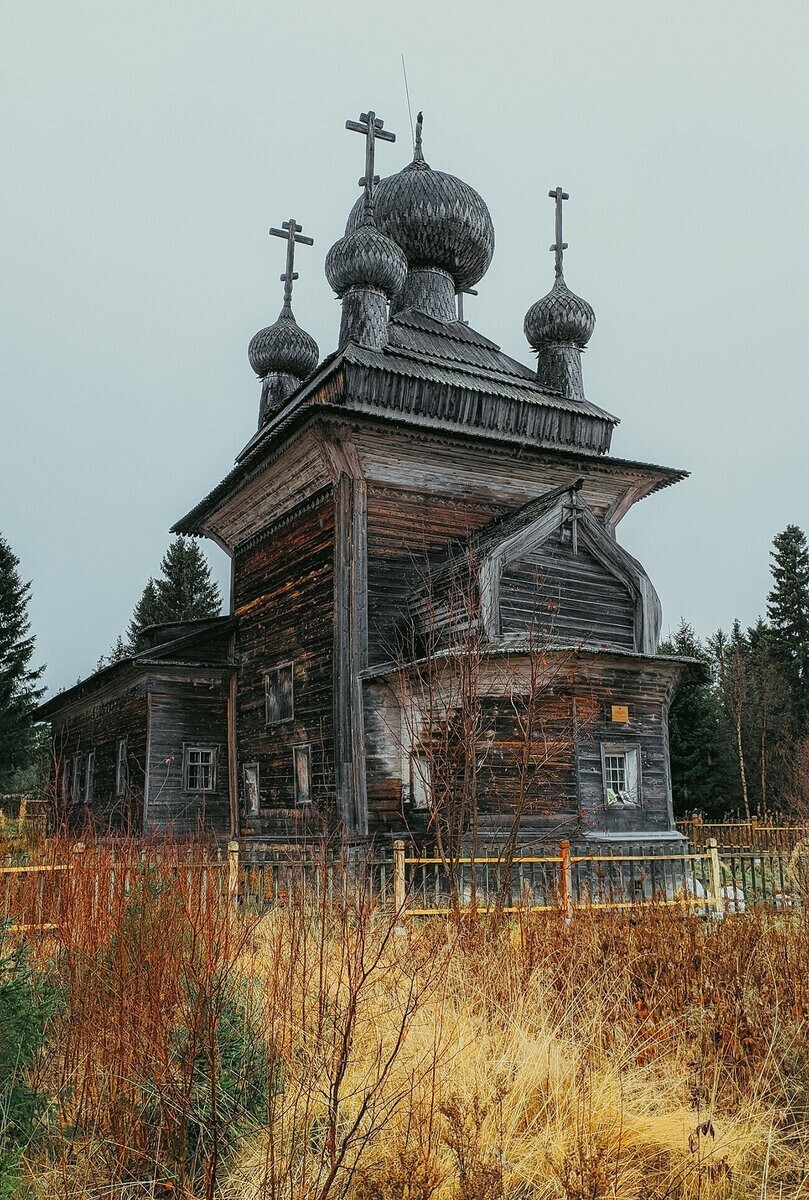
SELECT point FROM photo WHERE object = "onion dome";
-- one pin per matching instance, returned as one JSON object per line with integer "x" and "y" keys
{"x": 283, "y": 348}
{"x": 366, "y": 258}
{"x": 438, "y": 220}
{"x": 561, "y": 316}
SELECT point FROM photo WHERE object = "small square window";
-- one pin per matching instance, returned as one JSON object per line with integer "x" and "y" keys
{"x": 621, "y": 773}
{"x": 279, "y": 694}
{"x": 199, "y": 769}
{"x": 121, "y": 768}
{"x": 302, "y": 771}
{"x": 252, "y": 800}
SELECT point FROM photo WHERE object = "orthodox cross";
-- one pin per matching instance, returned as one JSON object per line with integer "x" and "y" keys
{"x": 571, "y": 515}
{"x": 292, "y": 232}
{"x": 372, "y": 126}
{"x": 559, "y": 246}
{"x": 465, "y": 292}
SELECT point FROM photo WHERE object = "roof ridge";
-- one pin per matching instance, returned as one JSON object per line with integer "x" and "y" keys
{"x": 458, "y": 331}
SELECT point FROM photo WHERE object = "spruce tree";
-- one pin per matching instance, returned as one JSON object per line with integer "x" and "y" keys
{"x": 788, "y": 611}
{"x": 18, "y": 690}
{"x": 702, "y": 768}
{"x": 184, "y": 591}
{"x": 147, "y": 612}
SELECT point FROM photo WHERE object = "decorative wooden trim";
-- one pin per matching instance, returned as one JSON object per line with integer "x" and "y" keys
{"x": 616, "y": 560}
{"x": 350, "y": 628}
{"x": 148, "y": 773}
{"x": 233, "y": 774}
{"x": 314, "y": 501}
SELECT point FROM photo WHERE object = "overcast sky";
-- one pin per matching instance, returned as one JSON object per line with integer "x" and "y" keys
{"x": 146, "y": 149}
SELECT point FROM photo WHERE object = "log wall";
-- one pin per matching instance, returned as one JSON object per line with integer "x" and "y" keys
{"x": 284, "y": 602}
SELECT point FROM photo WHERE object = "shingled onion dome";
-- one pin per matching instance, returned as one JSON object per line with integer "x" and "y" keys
{"x": 559, "y": 326}
{"x": 442, "y": 225}
{"x": 366, "y": 270}
{"x": 282, "y": 355}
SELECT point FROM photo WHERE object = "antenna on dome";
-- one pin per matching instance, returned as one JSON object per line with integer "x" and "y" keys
{"x": 409, "y": 109}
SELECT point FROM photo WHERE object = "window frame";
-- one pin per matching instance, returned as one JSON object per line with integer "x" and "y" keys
{"x": 121, "y": 767}
{"x": 190, "y": 748}
{"x": 275, "y": 674}
{"x": 630, "y": 751}
{"x": 301, "y": 801}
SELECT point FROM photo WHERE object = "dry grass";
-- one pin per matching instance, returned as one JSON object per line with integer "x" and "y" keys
{"x": 321, "y": 1051}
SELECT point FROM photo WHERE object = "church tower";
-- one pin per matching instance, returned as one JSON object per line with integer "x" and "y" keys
{"x": 417, "y": 502}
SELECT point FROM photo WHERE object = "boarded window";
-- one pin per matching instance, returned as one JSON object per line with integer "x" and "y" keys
{"x": 121, "y": 768}
{"x": 199, "y": 768}
{"x": 279, "y": 694}
{"x": 252, "y": 802}
{"x": 420, "y": 782}
{"x": 89, "y": 777}
{"x": 75, "y": 786}
{"x": 302, "y": 768}
{"x": 621, "y": 771}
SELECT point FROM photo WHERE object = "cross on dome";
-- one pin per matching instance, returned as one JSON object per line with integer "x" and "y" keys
{"x": 291, "y": 231}
{"x": 373, "y": 127}
{"x": 559, "y": 246}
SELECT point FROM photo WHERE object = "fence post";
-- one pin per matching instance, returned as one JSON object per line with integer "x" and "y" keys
{"x": 716, "y": 877}
{"x": 566, "y": 873}
{"x": 22, "y": 815}
{"x": 399, "y": 886}
{"x": 233, "y": 874}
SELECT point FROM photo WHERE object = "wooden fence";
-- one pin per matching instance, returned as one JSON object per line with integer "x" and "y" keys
{"x": 743, "y": 835}
{"x": 258, "y": 878}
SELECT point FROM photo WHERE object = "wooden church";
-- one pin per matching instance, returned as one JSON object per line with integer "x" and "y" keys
{"x": 431, "y": 617}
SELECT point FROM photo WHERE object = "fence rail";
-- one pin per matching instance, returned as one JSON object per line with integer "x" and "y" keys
{"x": 743, "y": 835}
{"x": 257, "y": 879}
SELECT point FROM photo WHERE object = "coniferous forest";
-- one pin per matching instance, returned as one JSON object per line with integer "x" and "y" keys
{"x": 738, "y": 728}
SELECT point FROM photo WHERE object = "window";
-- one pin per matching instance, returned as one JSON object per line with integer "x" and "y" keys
{"x": 121, "y": 768}
{"x": 199, "y": 768}
{"x": 621, "y": 771}
{"x": 89, "y": 776}
{"x": 75, "y": 786}
{"x": 279, "y": 694}
{"x": 420, "y": 782}
{"x": 252, "y": 801}
{"x": 302, "y": 771}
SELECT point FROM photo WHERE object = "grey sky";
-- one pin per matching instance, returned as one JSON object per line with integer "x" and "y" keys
{"x": 147, "y": 148}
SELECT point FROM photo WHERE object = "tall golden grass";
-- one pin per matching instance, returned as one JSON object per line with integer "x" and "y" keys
{"x": 327, "y": 1049}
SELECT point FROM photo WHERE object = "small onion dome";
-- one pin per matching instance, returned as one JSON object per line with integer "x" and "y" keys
{"x": 437, "y": 220}
{"x": 284, "y": 348}
{"x": 561, "y": 316}
{"x": 366, "y": 258}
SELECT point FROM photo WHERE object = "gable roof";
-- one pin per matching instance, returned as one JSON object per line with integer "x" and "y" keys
{"x": 205, "y": 637}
